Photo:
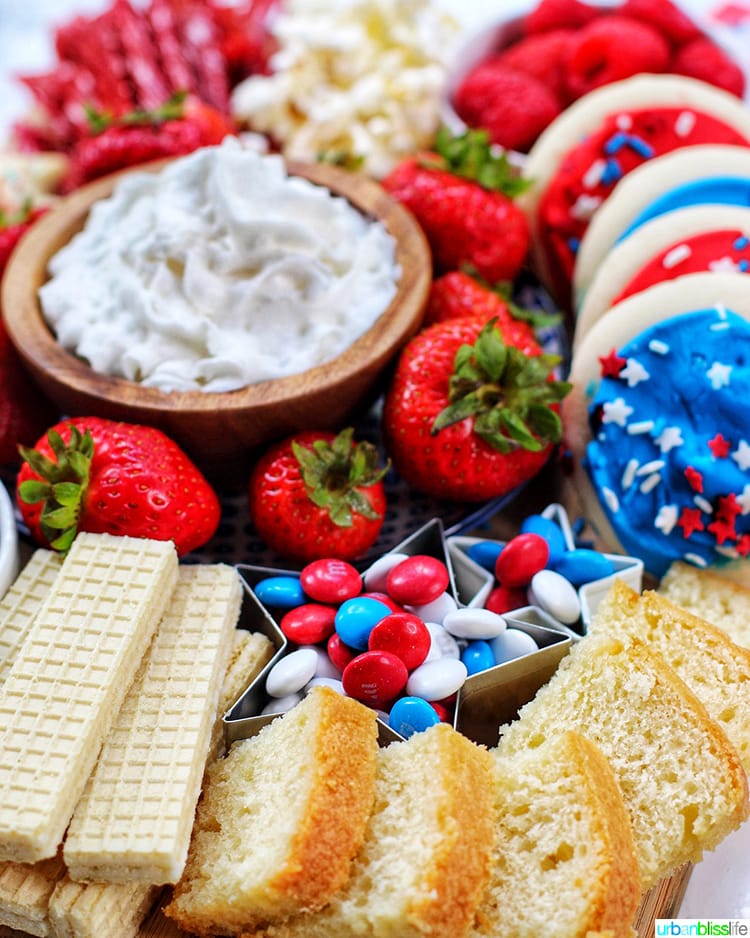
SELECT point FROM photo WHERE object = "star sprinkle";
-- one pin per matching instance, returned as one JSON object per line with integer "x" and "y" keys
{"x": 728, "y": 508}
{"x": 722, "y": 530}
{"x": 742, "y": 455}
{"x": 719, "y": 446}
{"x": 616, "y": 412}
{"x": 666, "y": 519}
{"x": 612, "y": 364}
{"x": 743, "y": 545}
{"x": 690, "y": 521}
{"x": 634, "y": 373}
{"x": 744, "y": 500}
{"x": 695, "y": 479}
{"x": 723, "y": 265}
{"x": 669, "y": 438}
{"x": 718, "y": 375}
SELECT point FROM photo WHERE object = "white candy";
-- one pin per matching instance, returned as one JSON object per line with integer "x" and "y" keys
{"x": 325, "y": 668}
{"x": 437, "y": 679}
{"x": 556, "y": 595}
{"x": 513, "y": 643}
{"x": 437, "y": 610}
{"x": 474, "y": 623}
{"x": 281, "y": 704}
{"x": 375, "y": 576}
{"x": 442, "y": 643}
{"x": 291, "y": 673}
{"x": 325, "y": 682}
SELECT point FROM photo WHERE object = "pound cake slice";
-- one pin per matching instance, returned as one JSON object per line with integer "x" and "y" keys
{"x": 134, "y": 819}
{"x": 707, "y": 660}
{"x": 69, "y": 679}
{"x": 564, "y": 849}
{"x": 281, "y": 818}
{"x": 425, "y": 860}
{"x": 681, "y": 779}
{"x": 720, "y": 601}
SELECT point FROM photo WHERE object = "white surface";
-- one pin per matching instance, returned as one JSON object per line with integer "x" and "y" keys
{"x": 720, "y": 885}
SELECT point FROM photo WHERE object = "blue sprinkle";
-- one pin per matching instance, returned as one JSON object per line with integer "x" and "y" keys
{"x": 612, "y": 172}
{"x": 616, "y": 142}
{"x": 641, "y": 147}
{"x": 740, "y": 243}
{"x": 742, "y": 265}
{"x": 574, "y": 244}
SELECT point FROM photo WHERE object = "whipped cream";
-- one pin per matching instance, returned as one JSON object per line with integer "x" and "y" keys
{"x": 217, "y": 272}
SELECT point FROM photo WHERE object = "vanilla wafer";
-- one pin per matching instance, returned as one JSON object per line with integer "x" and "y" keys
{"x": 251, "y": 651}
{"x": 22, "y": 602}
{"x": 25, "y": 890}
{"x": 69, "y": 679}
{"x": 134, "y": 820}
{"x": 93, "y": 910}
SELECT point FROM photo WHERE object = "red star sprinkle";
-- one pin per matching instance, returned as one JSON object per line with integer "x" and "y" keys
{"x": 728, "y": 508}
{"x": 743, "y": 545}
{"x": 612, "y": 364}
{"x": 723, "y": 530}
{"x": 719, "y": 447}
{"x": 695, "y": 479}
{"x": 690, "y": 521}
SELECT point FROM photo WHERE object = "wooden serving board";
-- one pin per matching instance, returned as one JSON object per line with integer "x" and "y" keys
{"x": 663, "y": 901}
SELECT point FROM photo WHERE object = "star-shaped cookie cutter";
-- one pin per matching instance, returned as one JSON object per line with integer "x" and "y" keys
{"x": 486, "y": 699}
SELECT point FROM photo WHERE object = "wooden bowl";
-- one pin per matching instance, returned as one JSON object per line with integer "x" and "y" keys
{"x": 219, "y": 430}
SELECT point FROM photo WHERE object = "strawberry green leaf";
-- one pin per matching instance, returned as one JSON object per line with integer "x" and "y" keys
{"x": 471, "y": 155}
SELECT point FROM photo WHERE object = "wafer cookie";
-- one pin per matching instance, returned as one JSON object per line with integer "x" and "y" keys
{"x": 250, "y": 652}
{"x": 134, "y": 820}
{"x": 22, "y": 602}
{"x": 25, "y": 891}
{"x": 69, "y": 680}
{"x": 93, "y": 910}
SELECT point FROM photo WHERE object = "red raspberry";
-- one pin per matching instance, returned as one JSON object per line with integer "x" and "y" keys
{"x": 664, "y": 16}
{"x": 557, "y": 14}
{"x": 541, "y": 56}
{"x": 704, "y": 60}
{"x": 612, "y": 48}
{"x": 512, "y": 107}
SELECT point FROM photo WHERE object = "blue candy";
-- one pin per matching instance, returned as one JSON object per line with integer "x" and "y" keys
{"x": 281, "y": 592}
{"x": 411, "y": 715}
{"x": 478, "y": 656}
{"x": 582, "y": 565}
{"x": 550, "y": 531}
{"x": 485, "y": 553}
{"x": 356, "y": 618}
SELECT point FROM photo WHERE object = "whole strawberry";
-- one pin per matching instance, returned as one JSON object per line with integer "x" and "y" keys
{"x": 181, "y": 125}
{"x": 462, "y": 196}
{"x": 471, "y": 411}
{"x": 104, "y": 476}
{"x": 317, "y": 494}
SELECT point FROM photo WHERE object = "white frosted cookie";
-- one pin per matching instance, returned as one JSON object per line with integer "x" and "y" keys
{"x": 636, "y": 192}
{"x": 662, "y": 249}
{"x": 657, "y": 426}
{"x": 701, "y": 113}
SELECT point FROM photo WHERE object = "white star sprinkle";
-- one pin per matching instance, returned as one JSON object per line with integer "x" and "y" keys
{"x": 669, "y": 438}
{"x": 634, "y": 372}
{"x": 744, "y": 500}
{"x": 742, "y": 455}
{"x": 718, "y": 375}
{"x": 666, "y": 518}
{"x": 616, "y": 411}
{"x": 723, "y": 264}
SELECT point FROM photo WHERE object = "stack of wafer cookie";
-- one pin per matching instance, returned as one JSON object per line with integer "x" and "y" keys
{"x": 133, "y": 821}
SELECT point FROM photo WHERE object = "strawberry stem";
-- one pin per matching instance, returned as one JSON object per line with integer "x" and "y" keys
{"x": 172, "y": 109}
{"x": 333, "y": 472}
{"x": 472, "y": 156}
{"x": 62, "y": 485}
{"x": 508, "y": 394}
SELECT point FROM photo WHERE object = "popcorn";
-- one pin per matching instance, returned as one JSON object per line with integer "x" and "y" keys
{"x": 359, "y": 82}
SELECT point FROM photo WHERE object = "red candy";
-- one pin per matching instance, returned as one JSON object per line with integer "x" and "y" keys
{"x": 418, "y": 580}
{"x": 505, "y": 598}
{"x": 331, "y": 580}
{"x": 442, "y": 711}
{"x": 522, "y": 557}
{"x": 386, "y": 600}
{"x": 308, "y": 624}
{"x": 375, "y": 678}
{"x": 339, "y": 653}
{"x": 404, "y": 635}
